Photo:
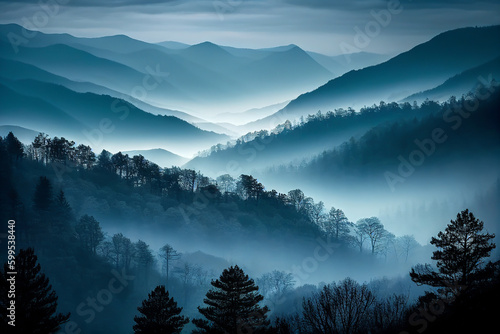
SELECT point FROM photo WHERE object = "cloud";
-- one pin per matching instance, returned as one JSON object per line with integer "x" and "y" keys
{"x": 98, "y": 3}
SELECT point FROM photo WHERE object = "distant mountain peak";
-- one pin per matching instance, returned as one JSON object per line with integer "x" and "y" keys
{"x": 206, "y": 45}
{"x": 206, "y": 48}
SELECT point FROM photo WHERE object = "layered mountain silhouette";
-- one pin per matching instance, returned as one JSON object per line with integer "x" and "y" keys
{"x": 438, "y": 70}
{"x": 161, "y": 157}
{"x": 423, "y": 67}
{"x": 97, "y": 120}
{"x": 168, "y": 88}
{"x": 202, "y": 79}
{"x": 463, "y": 83}
{"x": 15, "y": 70}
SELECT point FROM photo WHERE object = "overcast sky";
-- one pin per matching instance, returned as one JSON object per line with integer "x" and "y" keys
{"x": 327, "y": 26}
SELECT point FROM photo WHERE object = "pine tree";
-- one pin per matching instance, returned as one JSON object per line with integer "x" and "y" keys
{"x": 42, "y": 199}
{"x": 233, "y": 306}
{"x": 62, "y": 216}
{"x": 35, "y": 300}
{"x": 460, "y": 260}
{"x": 160, "y": 314}
{"x": 14, "y": 147}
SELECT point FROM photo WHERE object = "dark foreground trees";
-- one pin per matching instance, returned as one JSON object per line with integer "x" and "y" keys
{"x": 467, "y": 287}
{"x": 338, "y": 308}
{"x": 233, "y": 306}
{"x": 159, "y": 314}
{"x": 462, "y": 248}
{"x": 35, "y": 300}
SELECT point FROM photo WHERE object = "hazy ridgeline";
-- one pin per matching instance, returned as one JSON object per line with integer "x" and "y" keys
{"x": 327, "y": 201}
{"x": 291, "y": 245}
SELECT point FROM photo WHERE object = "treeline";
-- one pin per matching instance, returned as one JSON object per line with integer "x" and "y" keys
{"x": 469, "y": 125}
{"x": 337, "y": 119}
{"x": 463, "y": 280}
{"x": 189, "y": 190}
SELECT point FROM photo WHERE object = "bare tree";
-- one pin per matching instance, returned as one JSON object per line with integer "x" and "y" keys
{"x": 169, "y": 255}
{"x": 186, "y": 273}
{"x": 315, "y": 212}
{"x": 407, "y": 243}
{"x": 275, "y": 284}
{"x": 360, "y": 236}
{"x": 89, "y": 233}
{"x": 339, "y": 308}
{"x": 373, "y": 228}
{"x": 390, "y": 313}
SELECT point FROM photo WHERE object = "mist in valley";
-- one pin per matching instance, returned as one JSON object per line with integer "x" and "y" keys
{"x": 191, "y": 186}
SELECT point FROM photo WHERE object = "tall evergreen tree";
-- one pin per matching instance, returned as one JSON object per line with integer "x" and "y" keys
{"x": 35, "y": 300}
{"x": 39, "y": 228}
{"x": 460, "y": 258}
{"x": 63, "y": 216}
{"x": 160, "y": 314}
{"x": 43, "y": 195}
{"x": 233, "y": 306}
{"x": 14, "y": 147}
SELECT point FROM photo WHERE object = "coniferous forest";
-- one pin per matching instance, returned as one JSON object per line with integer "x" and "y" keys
{"x": 249, "y": 167}
{"x": 112, "y": 276}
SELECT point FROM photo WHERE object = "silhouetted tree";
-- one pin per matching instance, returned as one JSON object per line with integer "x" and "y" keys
{"x": 104, "y": 160}
{"x": 390, "y": 313}
{"x": 35, "y": 300}
{"x": 42, "y": 199}
{"x": 84, "y": 156}
{"x": 61, "y": 150}
{"x": 233, "y": 306}
{"x": 374, "y": 230}
{"x": 251, "y": 187}
{"x": 315, "y": 212}
{"x": 122, "y": 250}
{"x": 339, "y": 308}
{"x": 282, "y": 326}
{"x": 143, "y": 258}
{"x": 360, "y": 235}
{"x": 14, "y": 147}
{"x": 406, "y": 243}
{"x": 276, "y": 282}
{"x": 41, "y": 147}
{"x": 296, "y": 198}
{"x": 336, "y": 224}
{"x": 89, "y": 233}
{"x": 62, "y": 216}
{"x": 460, "y": 258}
{"x": 169, "y": 255}
{"x": 120, "y": 162}
{"x": 159, "y": 314}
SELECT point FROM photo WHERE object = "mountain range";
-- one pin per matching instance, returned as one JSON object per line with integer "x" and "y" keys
{"x": 423, "y": 67}
{"x": 75, "y": 86}
{"x": 203, "y": 79}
